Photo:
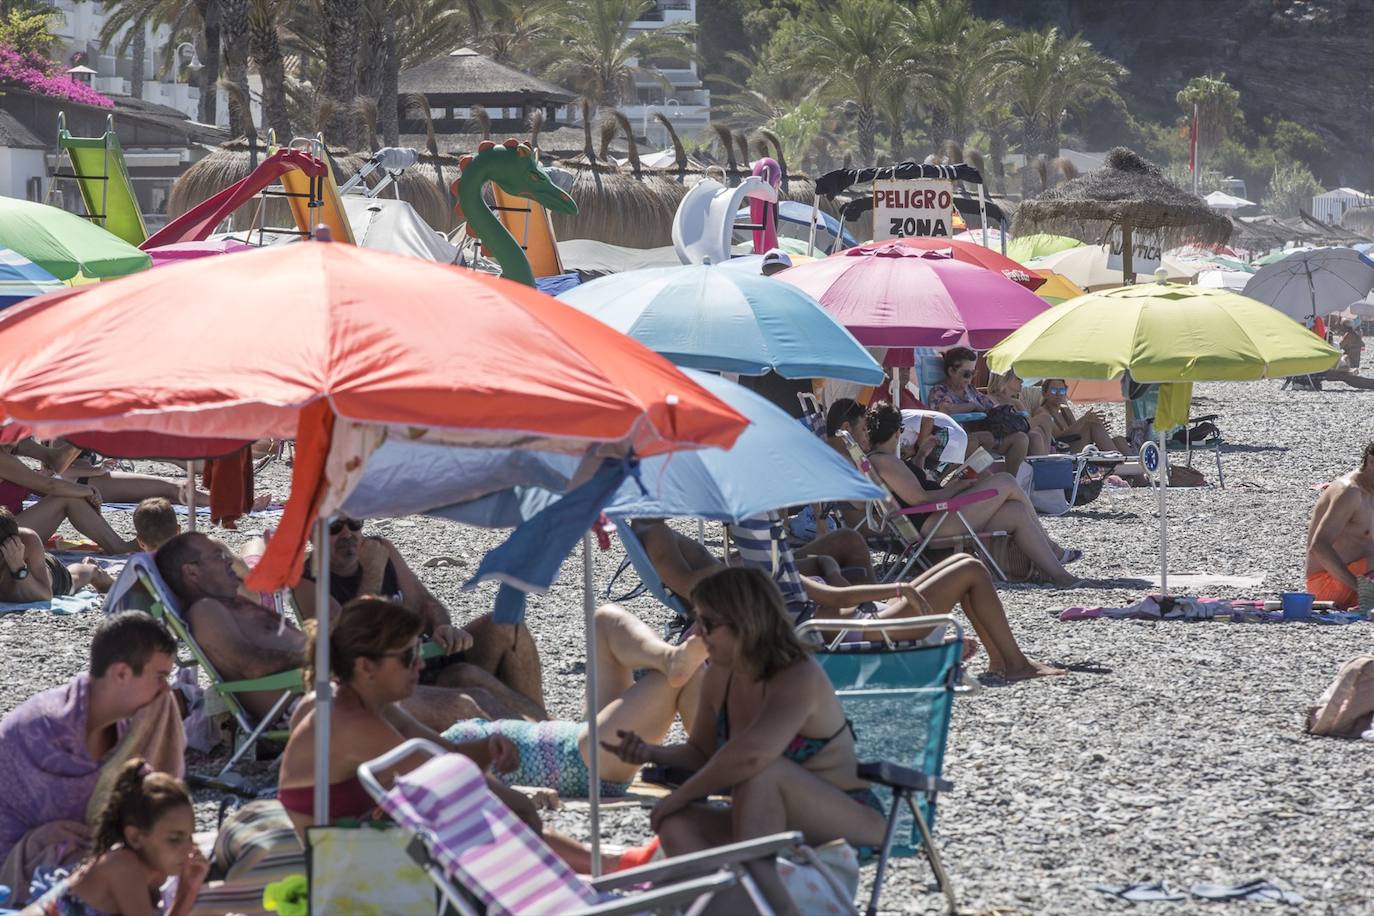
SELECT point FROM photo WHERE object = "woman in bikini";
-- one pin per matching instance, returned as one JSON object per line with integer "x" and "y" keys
{"x": 769, "y": 729}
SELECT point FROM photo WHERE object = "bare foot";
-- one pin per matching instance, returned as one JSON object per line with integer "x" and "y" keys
{"x": 971, "y": 647}
{"x": 261, "y": 501}
{"x": 685, "y": 660}
{"x": 1031, "y": 669}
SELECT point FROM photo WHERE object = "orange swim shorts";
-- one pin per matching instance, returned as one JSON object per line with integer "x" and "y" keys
{"x": 1327, "y": 587}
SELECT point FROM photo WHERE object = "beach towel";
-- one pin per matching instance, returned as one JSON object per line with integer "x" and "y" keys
{"x": 88, "y": 599}
{"x": 53, "y": 787}
{"x": 1346, "y": 708}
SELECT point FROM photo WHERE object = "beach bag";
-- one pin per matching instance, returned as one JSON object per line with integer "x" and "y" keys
{"x": 814, "y": 892}
{"x": 1184, "y": 476}
{"x": 1005, "y": 420}
{"x": 1346, "y": 708}
{"x": 1199, "y": 433}
{"x": 1014, "y": 564}
{"x": 366, "y": 871}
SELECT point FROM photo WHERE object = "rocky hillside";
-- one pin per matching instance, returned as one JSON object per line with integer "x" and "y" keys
{"x": 1310, "y": 61}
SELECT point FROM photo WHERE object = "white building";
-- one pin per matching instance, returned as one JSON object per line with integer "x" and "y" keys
{"x": 687, "y": 103}
{"x": 1330, "y": 207}
{"x": 22, "y": 172}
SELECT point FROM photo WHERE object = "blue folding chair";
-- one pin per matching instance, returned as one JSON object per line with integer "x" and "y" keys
{"x": 899, "y": 696}
{"x": 637, "y": 559}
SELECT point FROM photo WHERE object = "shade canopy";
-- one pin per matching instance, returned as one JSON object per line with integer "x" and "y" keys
{"x": 1314, "y": 282}
{"x": 727, "y": 320}
{"x": 970, "y": 253}
{"x": 1126, "y": 192}
{"x": 64, "y": 244}
{"x": 22, "y": 279}
{"x": 1086, "y": 266}
{"x": 891, "y": 295}
{"x": 1162, "y": 333}
{"x": 1220, "y": 200}
{"x": 775, "y": 462}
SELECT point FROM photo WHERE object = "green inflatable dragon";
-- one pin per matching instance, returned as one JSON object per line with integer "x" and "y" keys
{"x": 515, "y": 167}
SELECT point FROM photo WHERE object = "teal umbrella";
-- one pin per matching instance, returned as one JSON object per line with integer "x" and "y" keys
{"x": 64, "y": 244}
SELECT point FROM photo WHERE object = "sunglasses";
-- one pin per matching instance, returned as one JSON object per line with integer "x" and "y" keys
{"x": 709, "y": 624}
{"x": 967, "y": 373}
{"x": 1064, "y": 390}
{"x": 406, "y": 656}
{"x": 339, "y": 524}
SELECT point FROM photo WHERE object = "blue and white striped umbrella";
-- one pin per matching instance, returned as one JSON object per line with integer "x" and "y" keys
{"x": 708, "y": 317}
{"x": 22, "y": 279}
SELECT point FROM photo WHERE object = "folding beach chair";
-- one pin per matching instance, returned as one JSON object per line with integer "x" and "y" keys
{"x": 1198, "y": 434}
{"x": 899, "y": 697}
{"x": 637, "y": 559}
{"x": 485, "y": 860}
{"x": 889, "y": 518}
{"x": 140, "y": 576}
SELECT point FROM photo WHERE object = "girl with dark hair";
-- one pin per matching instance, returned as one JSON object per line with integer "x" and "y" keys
{"x": 143, "y": 835}
{"x": 1011, "y": 511}
{"x": 769, "y": 729}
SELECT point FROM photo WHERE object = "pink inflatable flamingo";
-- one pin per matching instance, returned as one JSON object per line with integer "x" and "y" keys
{"x": 761, "y": 212}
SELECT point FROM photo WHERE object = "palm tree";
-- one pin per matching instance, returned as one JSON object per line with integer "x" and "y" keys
{"x": 237, "y": 34}
{"x": 211, "y": 18}
{"x": 1047, "y": 75}
{"x": 508, "y": 30}
{"x": 854, "y": 50}
{"x": 266, "y": 50}
{"x": 341, "y": 25}
{"x": 590, "y": 46}
{"x": 960, "y": 59}
{"x": 133, "y": 20}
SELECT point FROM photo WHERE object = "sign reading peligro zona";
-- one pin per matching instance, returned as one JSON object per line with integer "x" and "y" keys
{"x": 906, "y": 208}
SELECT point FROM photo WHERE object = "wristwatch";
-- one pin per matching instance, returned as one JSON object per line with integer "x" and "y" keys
{"x": 20, "y": 573}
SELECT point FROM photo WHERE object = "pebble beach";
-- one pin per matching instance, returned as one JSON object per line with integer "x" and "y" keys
{"x": 1173, "y": 751}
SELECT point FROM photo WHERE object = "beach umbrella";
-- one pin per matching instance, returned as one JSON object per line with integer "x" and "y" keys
{"x": 1274, "y": 257}
{"x": 353, "y": 355}
{"x": 969, "y": 253}
{"x": 187, "y": 251}
{"x": 1233, "y": 280}
{"x": 1058, "y": 288}
{"x": 22, "y": 279}
{"x": 1315, "y": 282}
{"x": 1167, "y": 334}
{"x": 725, "y": 320}
{"x": 1039, "y": 244}
{"x": 1087, "y": 266}
{"x": 1127, "y": 195}
{"x": 64, "y": 244}
{"x": 994, "y": 238}
{"x": 892, "y": 295}
{"x": 1361, "y": 308}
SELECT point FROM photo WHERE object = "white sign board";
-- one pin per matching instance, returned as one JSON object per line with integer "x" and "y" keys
{"x": 1146, "y": 250}
{"x": 902, "y": 209}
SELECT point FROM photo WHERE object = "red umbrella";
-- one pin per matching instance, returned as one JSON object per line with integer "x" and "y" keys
{"x": 894, "y": 295}
{"x": 970, "y": 253}
{"x": 340, "y": 346}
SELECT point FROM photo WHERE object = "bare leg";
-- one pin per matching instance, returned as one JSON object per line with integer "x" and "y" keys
{"x": 1039, "y": 445}
{"x": 122, "y": 487}
{"x": 45, "y": 516}
{"x": 503, "y": 702}
{"x": 439, "y": 707}
{"x": 1101, "y": 438}
{"x": 977, "y": 440}
{"x": 1024, "y": 527}
{"x": 1014, "y": 449}
{"x": 849, "y": 550}
{"x": 507, "y": 651}
{"x": 647, "y": 709}
{"x": 626, "y": 644}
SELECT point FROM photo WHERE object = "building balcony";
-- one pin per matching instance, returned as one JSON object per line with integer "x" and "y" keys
{"x": 667, "y": 11}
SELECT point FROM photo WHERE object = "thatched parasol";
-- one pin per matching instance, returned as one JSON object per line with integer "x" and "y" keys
{"x": 1128, "y": 193}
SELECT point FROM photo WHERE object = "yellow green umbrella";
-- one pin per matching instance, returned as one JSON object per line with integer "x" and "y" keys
{"x": 1038, "y": 244}
{"x": 1168, "y": 334}
{"x": 1162, "y": 333}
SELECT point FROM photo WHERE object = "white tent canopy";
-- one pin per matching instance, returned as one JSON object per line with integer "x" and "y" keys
{"x": 1220, "y": 200}
{"x": 387, "y": 224}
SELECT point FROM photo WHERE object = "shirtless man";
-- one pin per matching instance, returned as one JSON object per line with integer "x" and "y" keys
{"x": 1340, "y": 538}
{"x": 245, "y": 640}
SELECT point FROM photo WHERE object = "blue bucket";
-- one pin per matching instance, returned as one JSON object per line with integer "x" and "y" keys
{"x": 1297, "y": 605}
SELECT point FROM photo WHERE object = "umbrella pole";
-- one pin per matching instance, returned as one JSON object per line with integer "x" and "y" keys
{"x": 593, "y": 742}
{"x": 324, "y": 699}
{"x": 1127, "y": 256}
{"x": 190, "y": 496}
{"x": 1163, "y": 517}
{"x": 815, "y": 214}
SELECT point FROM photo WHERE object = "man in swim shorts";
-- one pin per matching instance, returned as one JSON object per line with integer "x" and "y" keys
{"x": 1340, "y": 538}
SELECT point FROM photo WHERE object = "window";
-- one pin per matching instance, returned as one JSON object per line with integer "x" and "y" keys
{"x": 33, "y": 189}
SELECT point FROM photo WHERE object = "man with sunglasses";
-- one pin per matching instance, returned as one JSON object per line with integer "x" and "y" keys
{"x": 501, "y": 660}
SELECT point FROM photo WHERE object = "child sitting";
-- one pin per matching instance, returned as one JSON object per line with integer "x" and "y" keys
{"x": 142, "y": 836}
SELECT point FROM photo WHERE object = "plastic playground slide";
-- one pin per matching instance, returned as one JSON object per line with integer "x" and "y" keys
{"x": 529, "y": 223}
{"x": 308, "y": 211}
{"x": 99, "y": 169}
{"x": 704, "y": 225}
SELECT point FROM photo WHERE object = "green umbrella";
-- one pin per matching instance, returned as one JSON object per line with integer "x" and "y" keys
{"x": 1038, "y": 244}
{"x": 64, "y": 244}
{"x": 1163, "y": 333}
{"x": 1274, "y": 257}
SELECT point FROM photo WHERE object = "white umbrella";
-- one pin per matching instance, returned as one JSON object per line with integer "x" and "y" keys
{"x": 1310, "y": 283}
{"x": 1086, "y": 266}
{"x": 1362, "y": 308}
{"x": 1220, "y": 200}
{"x": 1216, "y": 278}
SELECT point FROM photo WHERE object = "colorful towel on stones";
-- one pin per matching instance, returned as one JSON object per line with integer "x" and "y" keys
{"x": 1178, "y": 607}
{"x": 53, "y": 786}
{"x": 88, "y": 599}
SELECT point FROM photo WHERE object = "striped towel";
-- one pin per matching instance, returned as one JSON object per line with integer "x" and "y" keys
{"x": 480, "y": 842}
{"x": 762, "y": 543}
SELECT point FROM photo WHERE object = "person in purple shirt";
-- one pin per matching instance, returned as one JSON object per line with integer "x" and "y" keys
{"x": 60, "y": 749}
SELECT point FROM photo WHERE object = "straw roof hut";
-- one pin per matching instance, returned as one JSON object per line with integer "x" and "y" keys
{"x": 1129, "y": 194}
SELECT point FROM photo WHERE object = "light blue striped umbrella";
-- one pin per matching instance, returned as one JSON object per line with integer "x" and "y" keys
{"x": 22, "y": 279}
{"x": 706, "y": 317}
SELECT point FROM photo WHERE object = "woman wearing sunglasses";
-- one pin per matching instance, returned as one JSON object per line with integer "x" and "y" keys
{"x": 769, "y": 730}
{"x": 1078, "y": 431}
{"x": 956, "y": 395}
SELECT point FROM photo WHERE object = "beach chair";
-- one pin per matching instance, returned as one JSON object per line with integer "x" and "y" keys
{"x": 905, "y": 545}
{"x": 637, "y": 559}
{"x": 899, "y": 697}
{"x": 1198, "y": 434}
{"x": 485, "y": 860}
{"x": 929, "y": 371}
{"x": 140, "y": 575}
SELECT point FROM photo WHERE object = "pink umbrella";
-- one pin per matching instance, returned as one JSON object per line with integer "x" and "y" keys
{"x": 895, "y": 296}
{"x": 186, "y": 251}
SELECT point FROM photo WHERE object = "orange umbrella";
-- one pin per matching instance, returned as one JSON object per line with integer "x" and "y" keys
{"x": 341, "y": 346}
